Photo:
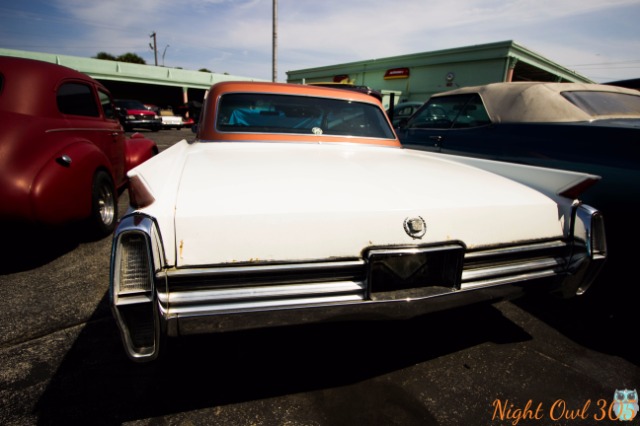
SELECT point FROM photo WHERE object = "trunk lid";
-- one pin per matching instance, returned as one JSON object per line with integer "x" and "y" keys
{"x": 270, "y": 202}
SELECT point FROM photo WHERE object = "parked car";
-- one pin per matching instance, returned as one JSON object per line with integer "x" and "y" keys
{"x": 402, "y": 111}
{"x": 170, "y": 120}
{"x": 297, "y": 204}
{"x": 63, "y": 153}
{"x": 590, "y": 128}
{"x": 152, "y": 107}
{"x": 135, "y": 115}
{"x": 585, "y": 127}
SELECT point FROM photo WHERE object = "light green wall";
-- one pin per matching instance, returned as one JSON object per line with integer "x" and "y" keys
{"x": 472, "y": 65}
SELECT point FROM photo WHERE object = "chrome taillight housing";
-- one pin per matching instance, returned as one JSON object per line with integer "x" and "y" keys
{"x": 132, "y": 293}
{"x": 594, "y": 233}
{"x": 597, "y": 239}
{"x": 590, "y": 246}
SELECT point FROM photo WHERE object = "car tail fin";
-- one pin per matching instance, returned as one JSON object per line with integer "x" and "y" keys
{"x": 575, "y": 190}
{"x": 565, "y": 183}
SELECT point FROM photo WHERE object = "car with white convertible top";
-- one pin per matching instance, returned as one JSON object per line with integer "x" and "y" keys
{"x": 297, "y": 204}
{"x": 589, "y": 128}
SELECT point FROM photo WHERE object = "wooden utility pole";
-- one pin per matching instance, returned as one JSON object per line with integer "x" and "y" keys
{"x": 275, "y": 41}
{"x": 154, "y": 47}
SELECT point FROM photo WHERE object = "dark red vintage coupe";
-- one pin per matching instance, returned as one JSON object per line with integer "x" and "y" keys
{"x": 64, "y": 155}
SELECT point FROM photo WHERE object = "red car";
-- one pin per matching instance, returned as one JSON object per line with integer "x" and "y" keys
{"x": 64, "y": 155}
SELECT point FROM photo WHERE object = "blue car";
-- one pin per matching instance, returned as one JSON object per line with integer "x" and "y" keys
{"x": 589, "y": 128}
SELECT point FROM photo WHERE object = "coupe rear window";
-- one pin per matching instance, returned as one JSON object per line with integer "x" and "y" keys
{"x": 605, "y": 104}
{"x": 77, "y": 99}
{"x": 267, "y": 113}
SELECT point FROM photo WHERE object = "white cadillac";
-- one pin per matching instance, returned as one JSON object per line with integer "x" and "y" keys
{"x": 297, "y": 204}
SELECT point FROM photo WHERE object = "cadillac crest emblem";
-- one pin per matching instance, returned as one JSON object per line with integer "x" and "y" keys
{"x": 415, "y": 227}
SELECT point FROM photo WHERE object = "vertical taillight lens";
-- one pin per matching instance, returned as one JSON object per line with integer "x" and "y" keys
{"x": 134, "y": 271}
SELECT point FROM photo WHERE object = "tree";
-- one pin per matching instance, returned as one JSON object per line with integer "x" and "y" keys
{"x": 132, "y": 58}
{"x": 106, "y": 56}
{"x": 127, "y": 57}
{"x": 204, "y": 70}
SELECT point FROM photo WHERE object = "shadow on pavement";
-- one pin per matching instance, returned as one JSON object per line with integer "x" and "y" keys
{"x": 97, "y": 384}
{"x": 605, "y": 317}
{"x": 28, "y": 247}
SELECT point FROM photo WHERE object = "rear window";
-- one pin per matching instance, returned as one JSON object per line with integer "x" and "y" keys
{"x": 77, "y": 99}
{"x": 605, "y": 104}
{"x": 269, "y": 113}
{"x": 130, "y": 104}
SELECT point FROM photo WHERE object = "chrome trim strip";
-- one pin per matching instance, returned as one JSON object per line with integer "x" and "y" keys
{"x": 262, "y": 292}
{"x": 249, "y": 269}
{"x": 414, "y": 250}
{"x": 508, "y": 279}
{"x": 547, "y": 245}
{"x": 346, "y": 311}
{"x": 199, "y": 310}
{"x": 502, "y": 270}
{"x": 86, "y": 129}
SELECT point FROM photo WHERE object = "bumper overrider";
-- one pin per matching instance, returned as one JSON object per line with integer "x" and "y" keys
{"x": 151, "y": 301}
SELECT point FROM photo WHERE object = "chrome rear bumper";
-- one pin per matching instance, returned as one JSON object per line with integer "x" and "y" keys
{"x": 150, "y": 301}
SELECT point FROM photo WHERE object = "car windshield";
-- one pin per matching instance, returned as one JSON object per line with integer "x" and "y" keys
{"x": 605, "y": 104}
{"x": 269, "y": 113}
{"x": 445, "y": 112}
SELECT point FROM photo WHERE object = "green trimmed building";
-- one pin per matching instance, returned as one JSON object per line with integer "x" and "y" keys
{"x": 412, "y": 77}
{"x": 417, "y": 76}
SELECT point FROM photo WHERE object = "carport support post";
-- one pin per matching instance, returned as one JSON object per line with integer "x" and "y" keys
{"x": 185, "y": 98}
{"x": 511, "y": 67}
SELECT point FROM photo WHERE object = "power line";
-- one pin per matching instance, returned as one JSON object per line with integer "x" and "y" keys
{"x": 599, "y": 64}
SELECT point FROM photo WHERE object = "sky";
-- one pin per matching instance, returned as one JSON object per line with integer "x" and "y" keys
{"x": 599, "y": 39}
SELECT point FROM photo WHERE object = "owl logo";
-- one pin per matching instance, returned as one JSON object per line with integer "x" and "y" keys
{"x": 625, "y": 404}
